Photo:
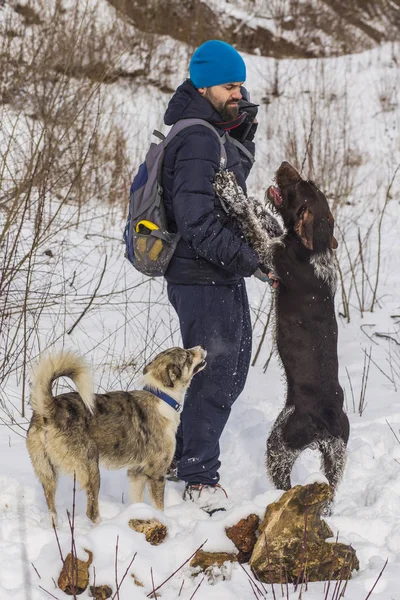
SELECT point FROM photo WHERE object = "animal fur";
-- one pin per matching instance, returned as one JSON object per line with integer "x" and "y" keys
{"x": 74, "y": 432}
{"x": 301, "y": 257}
{"x": 259, "y": 226}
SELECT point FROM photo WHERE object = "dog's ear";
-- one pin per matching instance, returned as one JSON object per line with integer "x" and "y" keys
{"x": 287, "y": 175}
{"x": 304, "y": 228}
{"x": 331, "y": 222}
{"x": 173, "y": 372}
{"x": 145, "y": 370}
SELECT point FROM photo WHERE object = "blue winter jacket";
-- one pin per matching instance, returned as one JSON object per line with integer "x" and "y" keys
{"x": 212, "y": 249}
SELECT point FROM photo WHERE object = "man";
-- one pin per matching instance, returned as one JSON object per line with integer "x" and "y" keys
{"x": 205, "y": 275}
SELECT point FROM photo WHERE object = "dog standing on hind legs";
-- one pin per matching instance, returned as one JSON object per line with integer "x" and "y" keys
{"x": 305, "y": 322}
{"x": 74, "y": 432}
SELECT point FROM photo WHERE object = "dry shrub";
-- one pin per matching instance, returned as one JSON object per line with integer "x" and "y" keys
{"x": 55, "y": 74}
{"x": 59, "y": 148}
{"x": 316, "y": 136}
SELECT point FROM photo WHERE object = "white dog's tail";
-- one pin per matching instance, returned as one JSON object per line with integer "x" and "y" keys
{"x": 50, "y": 368}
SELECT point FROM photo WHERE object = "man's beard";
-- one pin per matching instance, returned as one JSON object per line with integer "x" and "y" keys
{"x": 228, "y": 110}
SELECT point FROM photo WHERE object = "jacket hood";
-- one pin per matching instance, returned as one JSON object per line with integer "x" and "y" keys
{"x": 188, "y": 103}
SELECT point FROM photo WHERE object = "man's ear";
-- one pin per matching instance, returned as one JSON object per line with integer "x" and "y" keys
{"x": 304, "y": 228}
{"x": 202, "y": 91}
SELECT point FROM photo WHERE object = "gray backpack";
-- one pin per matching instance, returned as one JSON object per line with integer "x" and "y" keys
{"x": 149, "y": 245}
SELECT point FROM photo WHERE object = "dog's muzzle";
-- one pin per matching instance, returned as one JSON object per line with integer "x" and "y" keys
{"x": 199, "y": 367}
{"x": 199, "y": 350}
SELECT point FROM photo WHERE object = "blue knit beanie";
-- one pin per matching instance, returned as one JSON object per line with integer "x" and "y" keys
{"x": 215, "y": 63}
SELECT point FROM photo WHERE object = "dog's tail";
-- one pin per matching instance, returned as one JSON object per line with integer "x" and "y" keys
{"x": 50, "y": 368}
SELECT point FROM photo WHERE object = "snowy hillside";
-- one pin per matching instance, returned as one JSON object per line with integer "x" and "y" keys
{"x": 64, "y": 171}
{"x": 278, "y": 28}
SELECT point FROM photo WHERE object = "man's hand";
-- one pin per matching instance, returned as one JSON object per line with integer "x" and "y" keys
{"x": 269, "y": 278}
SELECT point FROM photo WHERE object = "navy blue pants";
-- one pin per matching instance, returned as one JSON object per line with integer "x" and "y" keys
{"x": 218, "y": 318}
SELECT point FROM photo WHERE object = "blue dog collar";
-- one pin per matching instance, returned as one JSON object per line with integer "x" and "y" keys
{"x": 173, "y": 403}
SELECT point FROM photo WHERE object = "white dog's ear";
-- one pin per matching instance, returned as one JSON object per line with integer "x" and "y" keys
{"x": 172, "y": 374}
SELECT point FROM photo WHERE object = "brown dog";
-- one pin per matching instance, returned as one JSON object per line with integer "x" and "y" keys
{"x": 74, "y": 432}
{"x": 306, "y": 327}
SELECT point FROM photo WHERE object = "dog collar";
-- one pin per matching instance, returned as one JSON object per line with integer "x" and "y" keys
{"x": 173, "y": 403}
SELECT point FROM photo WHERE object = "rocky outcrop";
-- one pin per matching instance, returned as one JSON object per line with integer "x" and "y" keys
{"x": 244, "y": 536}
{"x": 292, "y": 544}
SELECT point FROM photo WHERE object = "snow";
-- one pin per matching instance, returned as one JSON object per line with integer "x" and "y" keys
{"x": 130, "y": 320}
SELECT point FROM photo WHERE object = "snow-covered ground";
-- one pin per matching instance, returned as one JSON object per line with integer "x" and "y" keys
{"x": 130, "y": 319}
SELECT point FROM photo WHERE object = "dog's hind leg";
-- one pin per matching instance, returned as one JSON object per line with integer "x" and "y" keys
{"x": 156, "y": 491}
{"x": 280, "y": 458}
{"x": 137, "y": 485}
{"x": 92, "y": 490}
{"x": 45, "y": 471}
{"x": 88, "y": 476}
{"x": 49, "y": 488}
{"x": 49, "y": 483}
{"x": 333, "y": 451}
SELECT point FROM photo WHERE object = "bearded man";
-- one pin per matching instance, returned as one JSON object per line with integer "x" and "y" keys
{"x": 205, "y": 278}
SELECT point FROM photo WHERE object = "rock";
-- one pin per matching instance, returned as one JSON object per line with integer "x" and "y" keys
{"x": 74, "y": 576}
{"x": 208, "y": 559}
{"x": 154, "y": 531}
{"x": 243, "y": 535}
{"x": 217, "y": 566}
{"x": 101, "y": 592}
{"x": 292, "y": 540}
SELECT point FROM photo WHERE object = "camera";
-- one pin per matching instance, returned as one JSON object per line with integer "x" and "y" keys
{"x": 250, "y": 110}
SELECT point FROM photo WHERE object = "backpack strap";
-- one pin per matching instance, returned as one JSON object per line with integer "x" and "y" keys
{"x": 242, "y": 148}
{"x": 183, "y": 123}
{"x": 158, "y": 134}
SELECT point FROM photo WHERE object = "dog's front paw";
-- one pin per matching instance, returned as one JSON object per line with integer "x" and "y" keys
{"x": 229, "y": 191}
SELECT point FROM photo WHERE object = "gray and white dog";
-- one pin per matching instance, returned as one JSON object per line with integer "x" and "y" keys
{"x": 77, "y": 431}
